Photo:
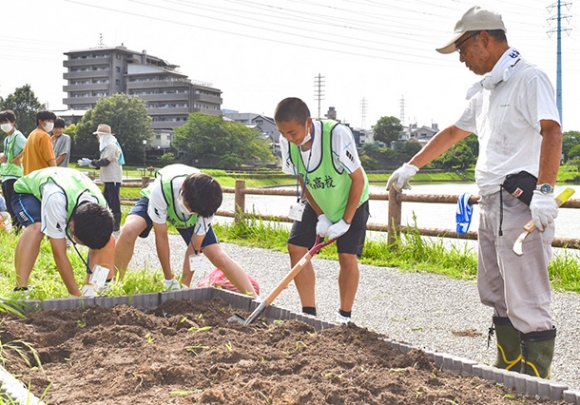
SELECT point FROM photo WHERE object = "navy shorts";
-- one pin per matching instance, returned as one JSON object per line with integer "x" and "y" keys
{"x": 27, "y": 208}
{"x": 303, "y": 232}
{"x": 140, "y": 209}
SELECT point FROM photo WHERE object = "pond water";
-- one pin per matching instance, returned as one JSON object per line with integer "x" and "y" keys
{"x": 441, "y": 216}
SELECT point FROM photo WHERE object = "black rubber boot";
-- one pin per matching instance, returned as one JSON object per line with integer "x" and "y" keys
{"x": 537, "y": 352}
{"x": 117, "y": 223}
{"x": 509, "y": 354}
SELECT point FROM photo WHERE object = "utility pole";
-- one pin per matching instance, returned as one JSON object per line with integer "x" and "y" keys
{"x": 558, "y": 31}
{"x": 101, "y": 44}
{"x": 402, "y": 111}
{"x": 319, "y": 91}
{"x": 363, "y": 113}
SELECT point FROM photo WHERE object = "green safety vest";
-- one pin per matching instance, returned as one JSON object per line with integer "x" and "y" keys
{"x": 72, "y": 182}
{"x": 326, "y": 184}
{"x": 11, "y": 169}
{"x": 167, "y": 175}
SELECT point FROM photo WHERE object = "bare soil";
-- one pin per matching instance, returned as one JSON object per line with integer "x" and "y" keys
{"x": 186, "y": 352}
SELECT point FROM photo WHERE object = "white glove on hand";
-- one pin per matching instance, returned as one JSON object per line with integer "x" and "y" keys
{"x": 322, "y": 225}
{"x": 544, "y": 209}
{"x": 338, "y": 229}
{"x": 400, "y": 177}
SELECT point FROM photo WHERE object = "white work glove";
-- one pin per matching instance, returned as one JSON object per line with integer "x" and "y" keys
{"x": 544, "y": 209}
{"x": 322, "y": 225}
{"x": 338, "y": 229}
{"x": 400, "y": 177}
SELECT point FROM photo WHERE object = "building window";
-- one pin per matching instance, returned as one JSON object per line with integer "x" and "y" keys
{"x": 158, "y": 137}
{"x": 118, "y": 82}
{"x": 118, "y": 69}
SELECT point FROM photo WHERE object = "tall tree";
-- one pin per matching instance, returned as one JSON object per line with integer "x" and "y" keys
{"x": 387, "y": 130}
{"x": 25, "y": 106}
{"x": 212, "y": 142}
{"x": 460, "y": 155}
{"x": 128, "y": 119}
{"x": 570, "y": 140}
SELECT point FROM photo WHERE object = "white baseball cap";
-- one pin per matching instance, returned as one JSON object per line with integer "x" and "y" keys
{"x": 474, "y": 19}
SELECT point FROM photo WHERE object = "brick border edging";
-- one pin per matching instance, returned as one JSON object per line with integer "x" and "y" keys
{"x": 521, "y": 383}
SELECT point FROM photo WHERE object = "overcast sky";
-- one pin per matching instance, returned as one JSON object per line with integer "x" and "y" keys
{"x": 371, "y": 55}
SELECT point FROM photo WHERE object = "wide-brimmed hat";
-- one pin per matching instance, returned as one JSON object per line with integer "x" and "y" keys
{"x": 103, "y": 129}
{"x": 474, "y": 19}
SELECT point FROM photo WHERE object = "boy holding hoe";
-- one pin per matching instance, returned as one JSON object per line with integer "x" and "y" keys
{"x": 334, "y": 198}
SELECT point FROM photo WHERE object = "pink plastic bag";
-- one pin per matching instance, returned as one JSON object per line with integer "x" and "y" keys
{"x": 218, "y": 279}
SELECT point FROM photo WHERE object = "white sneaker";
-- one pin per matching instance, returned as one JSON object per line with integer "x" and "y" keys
{"x": 106, "y": 288}
{"x": 88, "y": 291}
{"x": 342, "y": 319}
{"x": 172, "y": 285}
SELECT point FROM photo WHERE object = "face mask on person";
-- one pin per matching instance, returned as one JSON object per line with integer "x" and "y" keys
{"x": 307, "y": 137}
{"x": 48, "y": 126}
{"x": 182, "y": 207}
{"x": 6, "y": 127}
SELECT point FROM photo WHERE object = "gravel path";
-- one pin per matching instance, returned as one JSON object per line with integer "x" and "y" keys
{"x": 417, "y": 308}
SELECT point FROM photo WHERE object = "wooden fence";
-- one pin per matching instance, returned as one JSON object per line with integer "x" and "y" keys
{"x": 395, "y": 202}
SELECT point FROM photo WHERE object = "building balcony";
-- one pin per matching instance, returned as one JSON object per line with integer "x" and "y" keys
{"x": 168, "y": 111}
{"x": 157, "y": 84}
{"x": 80, "y": 100}
{"x": 208, "y": 99}
{"x": 86, "y": 62}
{"x": 87, "y": 75}
{"x": 87, "y": 87}
{"x": 166, "y": 125}
{"x": 163, "y": 97}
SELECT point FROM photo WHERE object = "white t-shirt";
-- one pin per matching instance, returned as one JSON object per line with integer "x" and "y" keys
{"x": 344, "y": 153}
{"x": 54, "y": 212}
{"x": 157, "y": 209}
{"x": 507, "y": 123}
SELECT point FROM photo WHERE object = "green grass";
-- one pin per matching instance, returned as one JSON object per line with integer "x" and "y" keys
{"x": 410, "y": 252}
{"x": 568, "y": 173}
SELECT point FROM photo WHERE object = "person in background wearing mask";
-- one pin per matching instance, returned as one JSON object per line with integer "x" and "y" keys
{"x": 60, "y": 144}
{"x": 111, "y": 172}
{"x": 10, "y": 160}
{"x": 38, "y": 152}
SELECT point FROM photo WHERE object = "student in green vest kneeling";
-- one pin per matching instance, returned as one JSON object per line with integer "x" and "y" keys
{"x": 63, "y": 203}
{"x": 333, "y": 200}
{"x": 188, "y": 199}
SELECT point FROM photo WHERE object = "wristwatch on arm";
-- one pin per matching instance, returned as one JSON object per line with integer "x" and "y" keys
{"x": 545, "y": 188}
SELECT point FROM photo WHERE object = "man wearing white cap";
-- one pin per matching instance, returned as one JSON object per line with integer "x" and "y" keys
{"x": 111, "y": 172}
{"x": 512, "y": 110}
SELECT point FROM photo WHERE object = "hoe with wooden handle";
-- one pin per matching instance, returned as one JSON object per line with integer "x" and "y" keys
{"x": 530, "y": 227}
{"x": 282, "y": 284}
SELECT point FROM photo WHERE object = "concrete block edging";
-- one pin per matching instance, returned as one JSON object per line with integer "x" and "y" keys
{"x": 523, "y": 384}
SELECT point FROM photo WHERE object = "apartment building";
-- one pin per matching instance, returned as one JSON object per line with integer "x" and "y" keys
{"x": 168, "y": 94}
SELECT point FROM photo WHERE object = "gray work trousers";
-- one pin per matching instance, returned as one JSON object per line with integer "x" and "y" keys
{"x": 516, "y": 287}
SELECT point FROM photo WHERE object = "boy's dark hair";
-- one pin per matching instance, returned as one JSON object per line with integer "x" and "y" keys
{"x": 291, "y": 109}
{"x": 93, "y": 224}
{"x": 8, "y": 115}
{"x": 202, "y": 193}
{"x": 59, "y": 123}
{"x": 44, "y": 115}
